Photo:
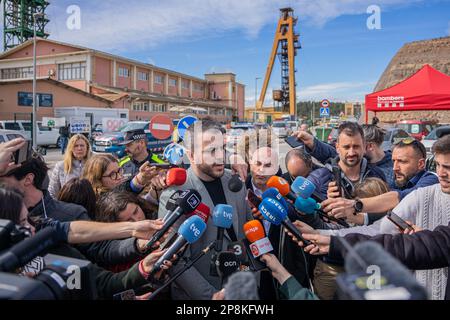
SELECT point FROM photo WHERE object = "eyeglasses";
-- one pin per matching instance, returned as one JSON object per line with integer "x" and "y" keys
{"x": 115, "y": 174}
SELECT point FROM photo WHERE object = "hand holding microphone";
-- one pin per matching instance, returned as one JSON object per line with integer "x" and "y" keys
{"x": 188, "y": 202}
{"x": 278, "y": 271}
{"x": 189, "y": 232}
{"x": 310, "y": 207}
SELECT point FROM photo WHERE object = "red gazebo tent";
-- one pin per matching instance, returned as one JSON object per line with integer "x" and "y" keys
{"x": 427, "y": 89}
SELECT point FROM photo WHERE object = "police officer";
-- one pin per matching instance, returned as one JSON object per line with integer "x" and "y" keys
{"x": 136, "y": 147}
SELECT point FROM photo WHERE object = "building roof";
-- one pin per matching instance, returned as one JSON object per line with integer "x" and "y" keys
{"x": 158, "y": 97}
{"x": 57, "y": 83}
{"x": 102, "y": 53}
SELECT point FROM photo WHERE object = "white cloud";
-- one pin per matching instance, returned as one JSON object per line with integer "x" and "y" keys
{"x": 336, "y": 91}
{"x": 115, "y": 25}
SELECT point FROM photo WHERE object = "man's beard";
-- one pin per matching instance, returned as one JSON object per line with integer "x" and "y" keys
{"x": 351, "y": 165}
{"x": 404, "y": 182}
{"x": 209, "y": 171}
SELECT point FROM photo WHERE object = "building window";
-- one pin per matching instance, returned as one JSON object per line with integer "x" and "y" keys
{"x": 159, "y": 107}
{"x": 141, "y": 106}
{"x": 185, "y": 84}
{"x": 72, "y": 71}
{"x": 173, "y": 82}
{"x": 158, "y": 79}
{"x": 17, "y": 73}
{"x": 143, "y": 76}
{"x": 124, "y": 72}
{"x": 198, "y": 87}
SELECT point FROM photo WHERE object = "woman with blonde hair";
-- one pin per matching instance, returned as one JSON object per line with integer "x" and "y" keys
{"x": 77, "y": 153}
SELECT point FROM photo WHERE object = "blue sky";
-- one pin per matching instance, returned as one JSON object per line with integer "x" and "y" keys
{"x": 341, "y": 58}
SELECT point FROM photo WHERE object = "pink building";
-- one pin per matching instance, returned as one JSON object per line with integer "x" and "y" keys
{"x": 104, "y": 80}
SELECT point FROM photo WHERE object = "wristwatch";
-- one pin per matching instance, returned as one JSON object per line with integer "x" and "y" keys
{"x": 358, "y": 206}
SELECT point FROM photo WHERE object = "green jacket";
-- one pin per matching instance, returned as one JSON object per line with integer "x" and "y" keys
{"x": 292, "y": 290}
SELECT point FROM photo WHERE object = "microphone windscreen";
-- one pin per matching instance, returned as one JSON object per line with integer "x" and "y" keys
{"x": 235, "y": 184}
{"x": 176, "y": 177}
{"x": 192, "y": 229}
{"x": 275, "y": 194}
{"x": 374, "y": 255}
{"x": 227, "y": 264}
{"x": 254, "y": 230}
{"x": 272, "y": 211}
{"x": 303, "y": 187}
{"x": 172, "y": 201}
{"x": 189, "y": 200}
{"x": 202, "y": 211}
{"x": 223, "y": 216}
{"x": 280, "y": 184}
{"x": 241, "y": 286}
{"x": 307, "y": 206}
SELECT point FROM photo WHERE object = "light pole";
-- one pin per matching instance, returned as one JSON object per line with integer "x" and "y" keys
{"x": 256, "y": 98}
{"x": 33, "y": 125}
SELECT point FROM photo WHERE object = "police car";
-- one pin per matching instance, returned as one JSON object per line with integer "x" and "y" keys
{"x": 109, "y": 142}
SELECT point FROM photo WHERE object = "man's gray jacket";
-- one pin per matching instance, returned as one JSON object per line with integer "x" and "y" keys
{"x": 196, "y": 283}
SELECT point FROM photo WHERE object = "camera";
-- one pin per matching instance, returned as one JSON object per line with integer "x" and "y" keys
{"x": 58, "y": 278}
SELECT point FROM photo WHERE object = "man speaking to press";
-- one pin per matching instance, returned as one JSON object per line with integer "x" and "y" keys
{"x": 204, "y": 142}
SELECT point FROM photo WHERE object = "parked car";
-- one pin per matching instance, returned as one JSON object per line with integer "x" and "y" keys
{"x": 431, "y": 138}
{"x": 45, "y": 136}
{"x": 416, "y": 128}
{"x": 7, "y": 135}
{"x": 281, "y": 129}
{"x": 109, "y": 142}
{"x": 332, "y": 137}
{"x": 293, "y": 125}
{"x": 393, "y": 135}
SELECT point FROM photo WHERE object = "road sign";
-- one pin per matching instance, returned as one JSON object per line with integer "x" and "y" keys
{"x": 185, "y": 123}
{"x": 324, "y": 112}
{"x": 325, "y": 103}
{"x": 80, "y": 125}
{"x": 161, "y": 127}
{"x": 174, "y": 153}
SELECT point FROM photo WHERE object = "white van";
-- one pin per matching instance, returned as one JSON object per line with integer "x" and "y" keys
{"x": 45, "y": 136}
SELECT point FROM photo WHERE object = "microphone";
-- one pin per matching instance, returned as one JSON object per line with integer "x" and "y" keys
{"x": 305, "y": 189}
{"x": 176, "y": 177}
{"x": 171, "y": 204}
{"x": 235, "y": 184}
{"x": 223, "y": 219}
{"x": 259, "y": 243}
{"x": 202, "y": 211}
{"x": 310, "y": 206}
{"x": 26, "y": 250}
{"x": 394, "y": 281}
{"x": 241, "y": 286}
{"x": 275, "y": 194}
{"x": 274, "y": 212}
{"x": 189, "y": 232}
{"x": 189, "y": 200}
{"x": 282, "y": 186}
{"x": 227, "y": 263}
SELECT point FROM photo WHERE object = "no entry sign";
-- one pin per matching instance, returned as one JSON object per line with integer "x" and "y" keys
{"x": 161, "y": 127}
